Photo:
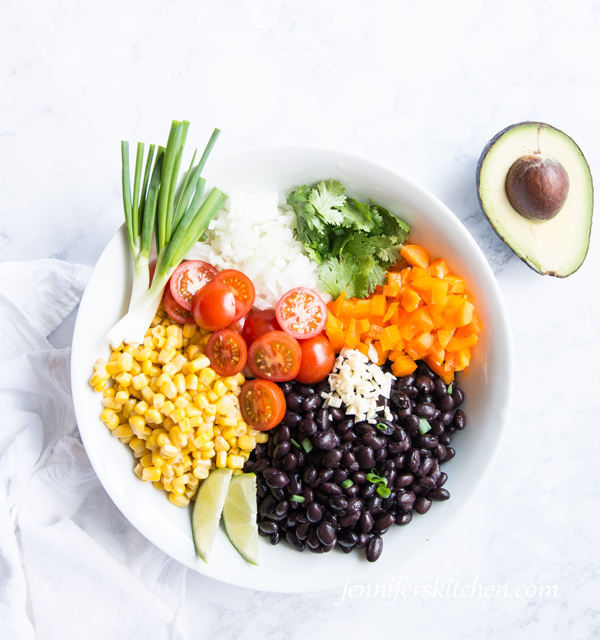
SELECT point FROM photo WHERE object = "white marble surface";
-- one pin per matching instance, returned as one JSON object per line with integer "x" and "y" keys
{"x": 421, "y": 87}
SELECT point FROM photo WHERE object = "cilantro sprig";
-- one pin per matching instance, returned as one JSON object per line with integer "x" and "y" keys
{"x": 354, "y": 242}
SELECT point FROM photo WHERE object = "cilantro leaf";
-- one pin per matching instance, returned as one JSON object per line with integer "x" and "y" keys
{"x": 335, "y": 276}
{"x": 360, "y": 246}
{"x": 356, "y": 215}
{"x": 325, "y": 198}
{"x": 391, "y": 225}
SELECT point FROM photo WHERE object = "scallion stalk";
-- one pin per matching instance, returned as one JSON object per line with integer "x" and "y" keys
{"x": 177, "y": 228}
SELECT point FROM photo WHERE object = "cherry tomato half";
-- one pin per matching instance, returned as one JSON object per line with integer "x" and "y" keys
{"x": 275, "y": 356}
{"x": 262, "y": 404}
{"x": 242, "y": 288}
{"x": 318, "y": 358}
{"x": 301, "y": 313}
{"x": 177, "y": 313}
{"x": 259, "y": 322}
{"x": 227, "y": 352}
{"x": 213, "y": 306}
{"x": 188, "y": 278}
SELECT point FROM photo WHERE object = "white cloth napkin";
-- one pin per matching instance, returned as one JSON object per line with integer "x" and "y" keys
{"x": 71, "y": 566}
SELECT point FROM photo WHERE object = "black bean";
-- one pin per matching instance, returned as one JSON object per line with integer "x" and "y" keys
{"x": 424, "y": 370}
{"x": 283, "y": 434}
{"x": 326, "y": 440}
{"x": 450, "y": 453}
{"x": 291, "y": 419}
{"x": 368, "y": 490}
{"x": 260, "y": 465}
{"x": 359, "y": 477}
{"x": 424, "y": 384}
{"x": 422, "y": 505}
{"x": 439, "y": 451}
{"x": 314, "y": 512}
{"x": 374, "y": 549}
{"x": 336, "y": 414}
{"x": 439, "y": 495}
{"x": 322, "y": 419}
{"x": 398, "y": 447}
{"x": 446, "y": 403}
{"x": 381, "y": 455}
{"x": 286, "y": 387}
{"x": 427, "y": 482}
{"x": 405, "y": 381}
{"x": 302, "y": 531}
{"x": 404, "y": 480}
{"x": 294, "y": 542}
{"x": 295, "y": 484}
{"x": 365, "y": 522}
{"x": 384, "y": 521}
{"x": 323, "y": 386}
{"x": 411, "y": 424}
{"x": 458, "y": 396}
{"x": 373, "y": 441}
{"x": 373, "y": 504}
{"x": 277, "y": 480}
{"x": 405, "y": 499}
{"x": 365, "y": 458}
{"x": 330, "y": 489}
{"x": 268, "y": 527}
{"x": 312, "y": 403}
{"x": 425, "y": 410}
{"x": 309, "y": 496}
{"x": 411, "y": 392}
{"x": 282, "y": 509}
{"x": 338, "y": 503}
{"x": 267, "y": 506}
{"x": 324, "y": 475}
{"x": 445, "y": 439}
{"x": 403, "y": 518}
{"x": 439, "y": 388}
{"x": 400, "y": 399}
{"x": 275, "y": 538}
{"x": 326, "y": 533}
{"x": 290, "y": 462}
{"x": 441, "y": 481}
{"x": 414, "y": 462}
{"x": 281, "y": 450}
{"x": 332, "y": 459}
{"x": 349, "y": 520}
{"x": 305, "y": 390}
{"x": 307, "y": 427}
{"x": 460, "y": 420}
{"x": 427, "y": 441}
{"x": 293, "y": 402}
{"x": 348, "y": 539}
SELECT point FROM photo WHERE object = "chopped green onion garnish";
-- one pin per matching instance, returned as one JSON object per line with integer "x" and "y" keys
{"x": 424, "y": 426}
{"x": 450, "y": 388}
{"x": 296, "y": 498}
{"x": 347, "y": 483}
{"x": 376, "y": 479}
{"x": 381, "y": 426}
{"x": 295, "y": 443}
{"x": 306, "y": 445}
{"x": 384, "y": 492}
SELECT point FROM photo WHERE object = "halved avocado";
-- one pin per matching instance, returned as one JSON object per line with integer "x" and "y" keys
{"x": 556, "y": 246}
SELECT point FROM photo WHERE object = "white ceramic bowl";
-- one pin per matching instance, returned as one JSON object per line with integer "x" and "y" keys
{"x": 487, "y": 388}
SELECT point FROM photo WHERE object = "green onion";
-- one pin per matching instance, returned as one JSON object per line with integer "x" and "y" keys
{"x": 296, "y": 498}
{"x": 177, "y": 226}
{"x": 381, "y": 426}
{"x": 295, "y": 443}
{"x": 384, "y": 492}
{"x": 450, "y": 388}
{"x": 375, "y": 478}
{"x": 424, "y": 426}
{"x": 306, "y": 445}
{"x": 347, "y": 483}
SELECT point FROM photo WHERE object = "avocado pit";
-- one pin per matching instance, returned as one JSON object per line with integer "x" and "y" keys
{"x": 537, "y": 186}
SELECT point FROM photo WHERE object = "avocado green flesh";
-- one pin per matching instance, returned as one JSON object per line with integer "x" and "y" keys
{"x": 553, "y": 247}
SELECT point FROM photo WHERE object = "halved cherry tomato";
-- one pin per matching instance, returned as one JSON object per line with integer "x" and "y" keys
{"x": 262, "y": 404}
{"x": 213, "y": 306}
{"x": 259, "y": 322}
{"x": 227, "y": 352}
{"x": 242, "y": 288}
{"x": 301, "y": 313}
{"x": 188, "y": 278}
{"x": 318, "y": 358}
{"x": 275, "y": 356}
{"x": 177, "y": 313}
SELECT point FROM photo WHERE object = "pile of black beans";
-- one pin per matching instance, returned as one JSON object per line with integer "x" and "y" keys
{"x": 323, "y": 499}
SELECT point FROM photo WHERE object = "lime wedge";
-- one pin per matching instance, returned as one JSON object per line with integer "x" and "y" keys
{"x": 239, "y": 516}
{"x": 208, "y": 508}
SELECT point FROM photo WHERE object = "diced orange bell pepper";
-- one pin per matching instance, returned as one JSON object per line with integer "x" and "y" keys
{"x": 395, "y": 354}
{"x": 362, "y": 309}
{"x": 417, "y": 273}
{"x": 421, "y": 319}
{"x": 456, "y": 284}
{"x": 389, "y": 337}
{"x": 382, "y": 355}
{"x": 410, "y": 300}
{"x": 438, "y": 268}
{"x": 394, "y": 284}
{"x": 439, "y": 293}
{"x": 405, "y": 275}
{"x": 403, "y": 365}
{"x": 415, "y": 255}
{"x": 407, "y": 329}
{"x": 347, "y": 309}
{"x": 475, "y": 326}
{"x": 458, "y": 344}
{"x": 462, "y": 359}
{"x": 375, "y": 331}
{"x": 419, "y": 347}
{"x": 335, "y": 332}
{"x": 437, "y": 351}
{"x": 464, "y": 313}
{"x": 446, "y": 376}
{"x": 378, "y": 305}
{"x": 439, "y": 322}
{"x": 468, "y": 295}
{"x": 398, "y": 316}
{"x": 363, "y": 348}
{"x": 444, "y": 335}
{"x": 423, "y": 284}
{"x": 352, "y": 337}
{"x": 362, "y": 326}
{"x": 335, "y": 306}
{"x": 390, "y": 311}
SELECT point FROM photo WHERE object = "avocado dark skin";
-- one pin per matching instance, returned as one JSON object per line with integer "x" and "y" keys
{"x": 537, "y": 186}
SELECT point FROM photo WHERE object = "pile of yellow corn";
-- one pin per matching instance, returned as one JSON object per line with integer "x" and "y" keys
{"x": 178, "y": 416}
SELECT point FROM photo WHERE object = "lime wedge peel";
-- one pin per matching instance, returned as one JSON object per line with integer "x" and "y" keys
{"x": 239, "y": 516}
{"x": 207, "y": 510}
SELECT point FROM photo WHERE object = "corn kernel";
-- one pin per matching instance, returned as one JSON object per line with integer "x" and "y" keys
{"x": 141, "y": 407}
{"x": 261, "y": 438}
{"x": 212, "y": 396}
{"x": 137, "y": 424}
{"x": 229, "y": 422}
{"x": 137, "y": 445}
{"x": 159, "y": 341}
{"x": 167, "y": 472}
{"x": 138, "y": 471}
{"x": 201, "y": 473}
{"x": 221, "y": 444}
{"x": 201, "y": 401}
{"x": 124, "y": 379}
{"x": 109, "y": 392}
{"x": 211, "y": 453}
{"x": 168, "y": 389}
{"x": 139, "y": 382}
{"x": 157, "y": 459}
{"x": 153, "y": 416}
{"x": 185, "y": 426}
{"x": 121, "y": 397}
{"x": 231, "y": 383}
{"x": 247, "y": 443}
{"x": 159, "y": 331}
{"x": 210, "y": 410}
{"x": 235, "y": 462}
{"x": 240, "y": 378}
{"x": 196, "y": 421}
{"x": 101, "y": 386}
{"x": 151, "y": 473}
{"x": 221, "y": 460}
{"x": 146, "y": 367}
{"x": 181, "y": 480}
{"x": 202, "y": 363}
{"x": 178, "y": 491}
{"x": 136, "y": 369}
{"x": 111, "y": 403}
{"x": 224, "y": 403}
{"x": 177, "y": 437}
{"x": 241, "y": 429}
{"x": 189, "y": 330}
{"x": 158, "y": 485}
{"x": 181, "y": 402}
{"x": 169, "y": 369}
{"x": 177, "y": 415}
{"x": 179, "y": 500}
{"x": 169, "y": 450}
{"x": 125, "y": 362}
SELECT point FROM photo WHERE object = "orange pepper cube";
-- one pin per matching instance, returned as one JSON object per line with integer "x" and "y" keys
{"x": 378, "y": 305}
{"x": 424, "y": 283}
{"x": 407, "y": 329}
{"x": 403, "y": 365}
{"x": 446, "y": 376}
{"x": 458, "y": 344}
{"x": 438, "y": 268}
{"x": 444, "y": 335}
{"x": 389, "y": 337}
{"x": 462, "y": 359}
{"x": 362, "y": 326}
{"x": 362, "y": 309}
{"x": 391, "y": 310}
{"x": 439, "y": 292}
{"x": 335, "y": 306}
{"x": 421, "y": 319}
{"x": 410, "y": 300}
{"x": 347, "y": 309}
{"x": 455, "y": 283}
{"x": 415, "y": 255}
{"x": 420, "y": 346}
